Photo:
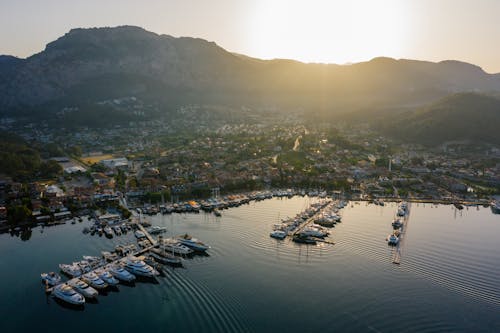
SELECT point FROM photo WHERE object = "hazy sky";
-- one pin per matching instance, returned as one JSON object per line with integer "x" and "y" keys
{"x": 336, "y": 31}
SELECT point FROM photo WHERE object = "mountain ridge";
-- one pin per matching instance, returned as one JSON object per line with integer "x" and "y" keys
{"x": 176, "y": 70}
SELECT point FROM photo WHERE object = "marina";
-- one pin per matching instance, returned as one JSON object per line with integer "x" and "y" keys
{"x": 335, "y": 278}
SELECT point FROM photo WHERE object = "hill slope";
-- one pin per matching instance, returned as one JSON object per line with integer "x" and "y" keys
{"x": 465, "y": 116}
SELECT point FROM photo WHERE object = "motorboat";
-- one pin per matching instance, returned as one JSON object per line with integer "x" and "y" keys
{"x": 217, "y": 212}
{"x": 193, "y": 243}
{"x": 106, "y": 276}
{"x": 393, "y": 240}
{"x": 83, "y": 288}
{"x": 303, "y": 239}
{"x": 164, "y": 257}
{"x": 84, "y": 265}
{"x": 314, "y": 232}
{"x": 117, "y": 230}
{"x": 94, "y": 280}
{"x": 51, "y": 278}
{"x": 175, "y": 247}
{"x": 139, "y": 234}
{"x": 279, "y": 234}
{"x": 108, "y": 232}
{"x": 93, "y": 261}
{"x": 72, "y": 270}
{"x": 67, "y": 294}
{"x": 120, "y": 273}
{"x": 138, "y": 267}
{"x": 495, "y": 207}
{"x": 156, "y": 230}
{"x": 397, "y": 224}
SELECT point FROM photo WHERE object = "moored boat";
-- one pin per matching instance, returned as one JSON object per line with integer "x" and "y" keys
{"x": 82, "y": 288}
{"x": 51, "y": 278}
{"x": 67, "y": 294}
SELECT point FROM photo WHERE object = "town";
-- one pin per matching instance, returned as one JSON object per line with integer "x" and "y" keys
{"x": 206, "y": 151}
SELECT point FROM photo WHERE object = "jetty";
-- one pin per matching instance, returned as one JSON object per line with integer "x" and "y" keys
{"x": 396, "y": 257}
{"x": 310, "y": 220}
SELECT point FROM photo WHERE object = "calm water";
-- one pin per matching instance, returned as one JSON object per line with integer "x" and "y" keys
{"x": 448, "y": 280}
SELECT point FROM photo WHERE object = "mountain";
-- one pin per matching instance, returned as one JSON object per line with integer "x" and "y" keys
{"x": 86, "y": 66}
{"x": 460, "y": 117}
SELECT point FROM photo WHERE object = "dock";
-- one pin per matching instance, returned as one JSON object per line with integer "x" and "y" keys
{"x": 396, "y": 258}
{"x": 148, "y": 235}
{"x": 137, "y": 253}
{"x": 310, "y": 220}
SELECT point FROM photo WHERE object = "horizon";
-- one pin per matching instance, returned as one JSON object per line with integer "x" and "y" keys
{"x": 328, "y": 32}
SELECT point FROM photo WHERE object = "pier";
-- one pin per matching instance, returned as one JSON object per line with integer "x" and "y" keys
{"x": 310, "y": 220}
{"x": 396, "y": 258}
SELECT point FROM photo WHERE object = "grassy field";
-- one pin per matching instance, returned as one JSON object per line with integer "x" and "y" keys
{"x": 95, "y": 159}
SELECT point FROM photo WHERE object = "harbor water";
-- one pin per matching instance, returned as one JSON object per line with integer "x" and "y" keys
{"x": 447, "y": 280}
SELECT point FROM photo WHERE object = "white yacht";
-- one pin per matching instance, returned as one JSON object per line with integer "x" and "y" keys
{"x": 93, "y": 261}
{"x": 393, "y": 240}
{"x": 84, "y": 266}
{"x": 156, "y": 230}
{"x": 138, "y": 267}
{"x": 139, "y": 234}
{"x": 83, "y": 288}
{"x": 279, "y": 234}
{"x": 67, "y": 294}
{"x": 95, "y": 281}
{"x": 315, "y": 232}
{"x": 71, "y": 270}
{"x": 120, "y": 273}
{"x": 51, "y": 278}
{"x": 193, "y": 243}
{"x": 108, "y": 232}
{"x": 106, "y": 276}
{"x": 175, "y": 247}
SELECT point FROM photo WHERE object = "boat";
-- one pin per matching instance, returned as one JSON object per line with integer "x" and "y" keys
{"x": 82, "y": 288}
{"x": 51, "y": 278}
{"x": 139, "y": 234}
{"x": 193, "y": 243}
{"x": 278, "y": 234}
{"x": 397, "y": 223}
{"x": 106, "y": 276}
{"x": 217, "y": 212}
{"x": 108, "y": 232}
{"x": 72, "y": 270}
{"x": 84, "y": 266}
{"x": 495, "y": 207}
{"x": 94, "y": 280}
{"x": 303, "y": 239}
{"x": 92, "y": 261}
{"x": 393, "y": 240}
{"x": 117, "y": 230}
{"x": 138, "y": 267}
{"x": 165, "y": 258}
{"x": 120, "y": 273}
{"x": 314, "y": 232}
{"x": 156, "y": 230}
{"x": 174, "y": 246}
{"x": 67, "y": 294}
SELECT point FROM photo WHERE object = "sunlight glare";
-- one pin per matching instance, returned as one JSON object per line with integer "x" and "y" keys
{"x": 329, "y": 31}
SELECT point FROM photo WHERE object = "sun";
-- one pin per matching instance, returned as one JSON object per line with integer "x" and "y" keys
{"x": 329, "y": 31}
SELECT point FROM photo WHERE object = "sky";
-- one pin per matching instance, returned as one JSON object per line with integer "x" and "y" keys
{"x": 329, "y": 31}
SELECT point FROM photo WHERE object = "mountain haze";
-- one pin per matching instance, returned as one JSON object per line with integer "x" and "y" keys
{"x": 87, "y": 65}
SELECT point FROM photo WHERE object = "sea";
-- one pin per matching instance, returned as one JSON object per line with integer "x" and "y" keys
{"x": 447, "y": 279}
